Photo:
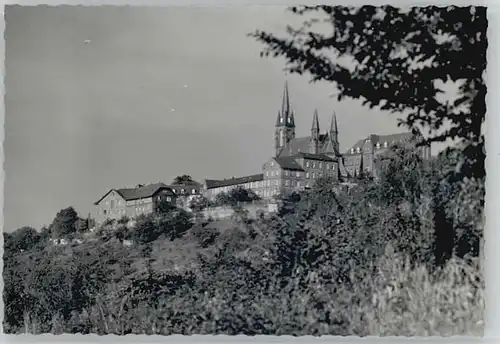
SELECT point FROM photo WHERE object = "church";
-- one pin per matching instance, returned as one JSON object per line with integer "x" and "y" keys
{"x": 299, "y": 161}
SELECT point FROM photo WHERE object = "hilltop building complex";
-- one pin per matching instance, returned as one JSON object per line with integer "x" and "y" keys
{"x": 299, "y": 161}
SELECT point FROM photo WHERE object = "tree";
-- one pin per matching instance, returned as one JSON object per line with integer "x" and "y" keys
{"x": 199, "y": 203}
{"x": 21, "y": 239}
{"x": 397, "y": 57}
{"x": 82, "y": 225}
{"x": 182, "y": 179}
{"x": 64, "y": 223}
{"x": 236, "y": 195}
{"x": 165, "y": 206}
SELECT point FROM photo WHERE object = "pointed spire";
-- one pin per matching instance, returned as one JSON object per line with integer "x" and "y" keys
{"x": 315, "y": 124}
{"x": 333, "y": 126}
{"x": 285, "y": 106}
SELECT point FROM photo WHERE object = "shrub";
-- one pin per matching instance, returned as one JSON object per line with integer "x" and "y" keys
{"x": 415, "y": 302}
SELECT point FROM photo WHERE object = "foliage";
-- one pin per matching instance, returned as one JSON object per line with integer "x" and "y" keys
{"x": 123, "y": 220}
{"x": 182, "y": 179}
{"x": 171, "y": 224}
{"x": 396, "y": 57}
{"x": 360, "y": 261}
{"x": 23, "y": 239}
{"x": 199, "y": 203}
{"x": 64, "y": 223}
{"x": 458, "y": 283}
{"x": 236, "y": 195}
{"x": 164, "y": 206}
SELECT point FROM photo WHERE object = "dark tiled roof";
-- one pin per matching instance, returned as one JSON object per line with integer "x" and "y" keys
{"x": 288, "y": 163}
{"x": 211, "y": 183}
{"x": 191, "y": 183}
{"x": 390, "y": 139}
{"x": 187, "y": 186}
{"x": 301, "y": 145}
{"x": 311, "y": 156}
{"x": 145, "y": 191}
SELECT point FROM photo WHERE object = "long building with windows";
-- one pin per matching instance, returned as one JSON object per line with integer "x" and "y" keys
{"x": 131, "y": 202}
{"x": 299, "y": 161}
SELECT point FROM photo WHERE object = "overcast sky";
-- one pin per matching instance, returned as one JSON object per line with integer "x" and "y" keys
{"x": 109, "y": 97}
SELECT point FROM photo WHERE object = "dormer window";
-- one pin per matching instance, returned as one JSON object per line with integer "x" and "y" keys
{"x": 352, "y": 150}
{"x": 358, "y": 150}
{"x": 385, "y": 144}
{"x": 378, "y": 144}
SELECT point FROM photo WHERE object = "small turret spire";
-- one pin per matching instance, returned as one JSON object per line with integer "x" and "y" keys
{"x": 278, "y": 119}
{"x": 314, "y": 142}
{"x": 333, "y": 126}
{"x": 292, "y": 119}
{"x": 315, "y": 124}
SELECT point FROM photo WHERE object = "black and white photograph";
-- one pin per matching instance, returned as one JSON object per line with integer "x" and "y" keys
{"x": 244, "y": 170}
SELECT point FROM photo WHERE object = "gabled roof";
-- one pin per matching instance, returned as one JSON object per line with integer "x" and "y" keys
{"x": 405, "y": 137}
{"x": 145, "y": 191}
{"x": 213, "y": 183}
{"x": 288, "y": 163}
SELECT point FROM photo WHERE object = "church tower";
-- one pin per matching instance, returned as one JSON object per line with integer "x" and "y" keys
{"x": 314, "y": 142}
{"x": 285, "y": 124}
{"x": 334, "y": 134}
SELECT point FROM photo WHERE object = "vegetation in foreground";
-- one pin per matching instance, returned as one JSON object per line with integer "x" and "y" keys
{"x": 399, "y": 256}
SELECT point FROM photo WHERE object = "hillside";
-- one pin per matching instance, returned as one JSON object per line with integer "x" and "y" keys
{"x": 398, "y": 256}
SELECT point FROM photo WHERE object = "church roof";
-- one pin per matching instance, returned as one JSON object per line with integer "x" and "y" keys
{"x": 288, "y": 163}
{"x": 301, "y": 145}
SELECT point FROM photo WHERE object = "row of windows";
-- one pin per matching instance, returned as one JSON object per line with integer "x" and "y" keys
{"x": 320, "y": 165}
{"x": 112, "y": 203}
{"x": 251, "y": 185}
{"x": 285, "y": 172}
{"x": 268, "y": 182}
{"x": 183, "y": 191}
{"x": 269, "y": 192}
{"x": 294, "y": 183}
{"x": 147, "y": 207}
{"x": 358, "y": 149}
{"x": 140, "y": 201}
{"x": 308, "y": 164}
{"x": 314, "y": 175}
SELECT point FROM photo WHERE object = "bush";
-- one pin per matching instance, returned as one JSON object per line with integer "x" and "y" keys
{"x": 338, "y": 262}
{"x": 414, "y": 302}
